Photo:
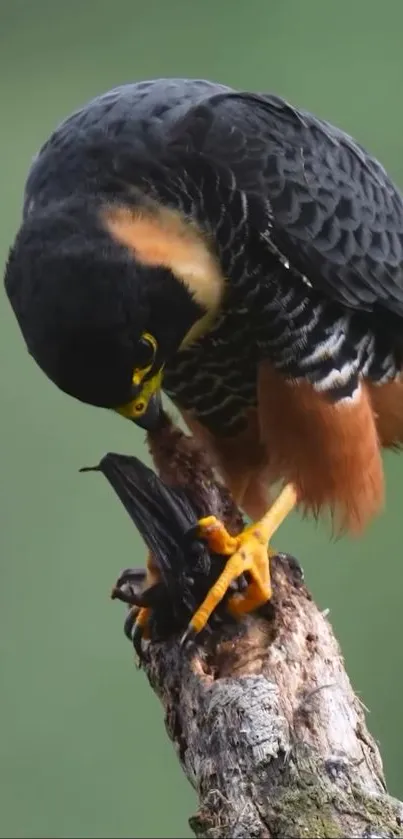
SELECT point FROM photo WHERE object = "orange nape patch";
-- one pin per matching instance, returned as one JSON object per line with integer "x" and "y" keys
{"x": 329, "y": 452}
{"x": 159, "y": 236}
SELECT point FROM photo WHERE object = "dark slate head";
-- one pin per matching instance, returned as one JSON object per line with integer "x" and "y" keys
{"x": 98, "y": 322}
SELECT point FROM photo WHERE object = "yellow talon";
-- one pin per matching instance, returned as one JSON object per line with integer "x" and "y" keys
{"x": 219, "y": 540}
{"x": 249, "y": 551}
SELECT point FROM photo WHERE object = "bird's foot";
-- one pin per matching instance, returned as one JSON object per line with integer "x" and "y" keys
{"x": 130, "y": 588}
{"x": 248, "y": 552}
{"x": 136, "y": 627}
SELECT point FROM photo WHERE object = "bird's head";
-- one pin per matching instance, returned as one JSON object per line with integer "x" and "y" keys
{"x": 106, "y": 295}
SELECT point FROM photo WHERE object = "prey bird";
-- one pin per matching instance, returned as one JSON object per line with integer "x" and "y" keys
{"x": 165, "y": 508}
{"x": 246, "y": 258}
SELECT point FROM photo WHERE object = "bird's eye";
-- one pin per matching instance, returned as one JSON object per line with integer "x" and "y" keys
{"x": 145, "y": 351}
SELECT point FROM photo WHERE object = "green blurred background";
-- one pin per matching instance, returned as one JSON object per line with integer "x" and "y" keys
{"x": 83, "y": 751}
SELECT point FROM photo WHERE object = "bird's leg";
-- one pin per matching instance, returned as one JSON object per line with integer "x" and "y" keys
{"x": 249, "y": 551}
{"x": 136, "y": 624}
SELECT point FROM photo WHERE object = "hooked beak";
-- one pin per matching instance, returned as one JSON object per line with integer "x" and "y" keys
{"x": 152, "y": 415}
{"x": 146, "y": 408}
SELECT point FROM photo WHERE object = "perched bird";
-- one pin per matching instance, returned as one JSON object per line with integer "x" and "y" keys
{"x": 242, "y": 255}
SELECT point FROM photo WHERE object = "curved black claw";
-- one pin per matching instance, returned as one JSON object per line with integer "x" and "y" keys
{"x": 130, "y": 623}
{"x": 134, "y": 632}
{"x": 136, "y": 639}
{"x": 188, "y": 636}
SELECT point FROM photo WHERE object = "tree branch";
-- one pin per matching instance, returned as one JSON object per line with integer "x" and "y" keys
{"x": 268, "y": 730}
{"x": 262, "y": 714}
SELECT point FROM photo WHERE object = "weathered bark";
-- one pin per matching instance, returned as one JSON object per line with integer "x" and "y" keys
{"x": 264, "y": 719}
{"x": 268, "y": 729}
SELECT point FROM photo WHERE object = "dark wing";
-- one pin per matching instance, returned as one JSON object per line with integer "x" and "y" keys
{"x": 326, "y": 204}
{"x": 110, "y": 134}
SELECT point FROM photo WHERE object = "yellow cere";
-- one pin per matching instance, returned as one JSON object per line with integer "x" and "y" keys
{"x": 138, "y": 406}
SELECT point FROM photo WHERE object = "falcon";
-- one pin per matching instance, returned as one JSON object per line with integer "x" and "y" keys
{"x": 244, "y": 257}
